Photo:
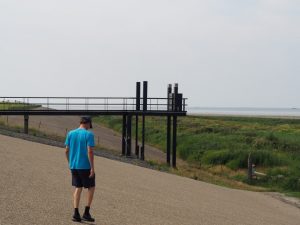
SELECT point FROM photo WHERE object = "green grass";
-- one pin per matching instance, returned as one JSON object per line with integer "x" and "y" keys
{"x": 207, "y": 142}
{"x": 5, "y": 105}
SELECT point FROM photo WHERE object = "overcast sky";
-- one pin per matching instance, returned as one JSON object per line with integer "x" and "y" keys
{"x": 226, "y": 53}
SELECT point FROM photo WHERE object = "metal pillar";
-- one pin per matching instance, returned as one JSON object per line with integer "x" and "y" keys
{"x": 169, "y": 94}
{"x": 145, "y": 95}
{"x": 128, "y": 138}
{"x": 168, "y": 140}
{"x": 137, "y": 147}
{"x": 174, "y": 141}
{"x": 174, "y": 145}
{"x": 138, "y": 96}
{"x": 145, "y": 99}
{"x": 143, "y": 139}
{"x": 138, "y": 108}
{"x": 26, "y": 120}
{"x": 124, "y": 135}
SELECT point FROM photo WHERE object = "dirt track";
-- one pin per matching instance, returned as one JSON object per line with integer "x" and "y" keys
{"x": 59, "y": 125}
{"x": 35, "y": 189}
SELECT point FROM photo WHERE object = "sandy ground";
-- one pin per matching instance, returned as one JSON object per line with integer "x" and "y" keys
{"x": 105, "y": 137}
{"x": 35, "y": 189}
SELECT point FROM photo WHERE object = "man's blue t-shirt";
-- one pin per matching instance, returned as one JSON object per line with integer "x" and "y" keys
{"x": 77, "y": 140}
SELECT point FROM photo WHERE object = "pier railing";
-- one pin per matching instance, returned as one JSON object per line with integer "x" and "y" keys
{"x": 87, "y": 103}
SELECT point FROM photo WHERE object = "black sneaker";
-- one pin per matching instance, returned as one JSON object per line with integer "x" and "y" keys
{"x": 87, "y": 216}
{"x": 76, "y": 218}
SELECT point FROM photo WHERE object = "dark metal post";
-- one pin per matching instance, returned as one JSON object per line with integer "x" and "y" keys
{"x": 145, "y": 97}
{"x": 169, "y": 124}
{"x": 168, "y": 140}
{"x": 138, "y": 108}
{"x": 143, "y": 139}
{"x": 137, "y": 147}
{"x": 26, "y": 119}
{"x": 138, "y": 96}
{"x": 124, "y": 135}
{"x": 179, "y": 102}
{"x": 174, "y": 141}
{"x": 174, "y": 128}
{"x": 129, "y": 123}
{"x": 175, "y": 96}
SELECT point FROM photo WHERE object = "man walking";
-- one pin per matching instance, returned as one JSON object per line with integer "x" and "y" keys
{"x": 79, "y": 152}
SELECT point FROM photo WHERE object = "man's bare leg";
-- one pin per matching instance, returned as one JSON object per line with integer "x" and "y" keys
{"x": 87, "y": 216}
{"x": 76, "y": 196}
{"x": 90, "y": 196}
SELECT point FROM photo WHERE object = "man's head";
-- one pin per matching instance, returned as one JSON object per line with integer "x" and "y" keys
{"x": 86, "y": 122}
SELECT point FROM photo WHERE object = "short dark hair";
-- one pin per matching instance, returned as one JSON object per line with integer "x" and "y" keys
{"x": 85, "y": 120}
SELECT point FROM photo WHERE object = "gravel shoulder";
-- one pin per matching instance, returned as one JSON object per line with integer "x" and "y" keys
{"x": 35, "y": 189}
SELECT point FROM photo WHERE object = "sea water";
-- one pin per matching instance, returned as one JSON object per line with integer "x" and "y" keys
{"x": 239, "y": 111}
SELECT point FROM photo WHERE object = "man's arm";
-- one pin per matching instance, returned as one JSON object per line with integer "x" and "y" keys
{"x": 67, "y": 153}
{"x": 91, "y": 159}
{"x": 67, "y": 144}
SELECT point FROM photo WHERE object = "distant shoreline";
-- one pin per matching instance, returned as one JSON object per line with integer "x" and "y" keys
{"x": 246, "y": 116}
{"x": 281, "y": 113}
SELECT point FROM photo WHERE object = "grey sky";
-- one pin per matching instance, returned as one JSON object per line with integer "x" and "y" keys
{"x": 221, "y": 52}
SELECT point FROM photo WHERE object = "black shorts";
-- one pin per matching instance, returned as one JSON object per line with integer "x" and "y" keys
{"x": 80, "y": 178}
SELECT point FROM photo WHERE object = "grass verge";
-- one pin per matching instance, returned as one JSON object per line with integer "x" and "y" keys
{"x": 216, "y": 149}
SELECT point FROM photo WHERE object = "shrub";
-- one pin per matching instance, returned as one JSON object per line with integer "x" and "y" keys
{"x": 268, "y": 158}
{"x": 239, "y": 159}
{"x": 292, "y": 183}
{"x": 217, "y": 157}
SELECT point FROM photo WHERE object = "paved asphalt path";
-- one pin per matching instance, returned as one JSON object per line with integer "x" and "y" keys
{"x": 35, "y": 189}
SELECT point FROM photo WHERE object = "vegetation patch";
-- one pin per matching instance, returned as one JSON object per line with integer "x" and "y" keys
{"x": 208, "y": 143}
{"x": 6, "y": 105}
